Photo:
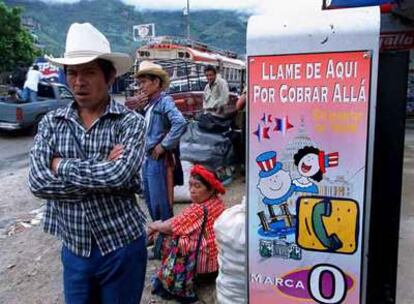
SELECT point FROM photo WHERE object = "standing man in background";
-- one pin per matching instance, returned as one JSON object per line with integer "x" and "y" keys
{"x": 216, "y": 92}
{"x": 31, "y": 84}
{"x": 165, "y": 125}
{"x": 85, "y": 162}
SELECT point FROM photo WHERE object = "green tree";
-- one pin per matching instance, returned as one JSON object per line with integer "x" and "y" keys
{"x": 16, "y": 44}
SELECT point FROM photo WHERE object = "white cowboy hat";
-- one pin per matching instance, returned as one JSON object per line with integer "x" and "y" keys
{"x": 149, "y": 68}
{"x": 84, "y": 43}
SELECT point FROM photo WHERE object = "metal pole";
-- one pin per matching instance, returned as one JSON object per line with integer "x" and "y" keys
{"x": 387, "y": 178}
{"x": 188, "y": 19}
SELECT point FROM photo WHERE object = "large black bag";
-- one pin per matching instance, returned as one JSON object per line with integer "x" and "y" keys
{"x": 213, "y": 150}
{"x": 213, "y": 123}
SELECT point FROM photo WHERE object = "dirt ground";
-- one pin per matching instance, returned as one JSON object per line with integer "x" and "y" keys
{"x": 30, "y": 268}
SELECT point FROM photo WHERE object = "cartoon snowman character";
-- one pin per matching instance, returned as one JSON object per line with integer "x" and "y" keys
{"x": 275, "y": 184}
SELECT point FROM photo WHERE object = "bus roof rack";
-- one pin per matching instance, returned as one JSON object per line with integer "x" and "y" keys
{"x": 177, "y": 40}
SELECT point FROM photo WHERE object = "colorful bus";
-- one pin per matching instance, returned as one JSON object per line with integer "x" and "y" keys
{"x": 170, "y": 48}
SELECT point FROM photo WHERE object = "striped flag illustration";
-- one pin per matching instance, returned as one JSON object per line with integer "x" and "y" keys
{"x": 262, "y": 132}
{"x": 328, "y": 160}
{"x": 267, "y": 118}
{"x": 282, "y": 125}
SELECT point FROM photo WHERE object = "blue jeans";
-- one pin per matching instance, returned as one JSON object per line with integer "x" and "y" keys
{"x": 117, "y": 277}
{"x": 33, "y": 96}
{"x": 155, "y": 185}
{"x": 29, "y": 95}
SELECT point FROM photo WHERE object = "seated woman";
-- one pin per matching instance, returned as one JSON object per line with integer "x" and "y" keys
{"x": 184, "y": 231}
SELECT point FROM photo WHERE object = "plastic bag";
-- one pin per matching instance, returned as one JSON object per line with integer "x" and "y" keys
{"x": 182, "y": 193}
{"x": 230, "y": 231}
{"x": 230, "y": 227}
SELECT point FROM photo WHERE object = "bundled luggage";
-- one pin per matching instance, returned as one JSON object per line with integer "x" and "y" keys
{"x": 230, "y": 231}
{"x": 207, "y": 146}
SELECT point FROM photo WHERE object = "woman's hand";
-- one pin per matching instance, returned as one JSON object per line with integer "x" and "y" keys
{"x": 160, "y": 226}
{"x": 150, "y": 231}
{"x": 153, "y": 227}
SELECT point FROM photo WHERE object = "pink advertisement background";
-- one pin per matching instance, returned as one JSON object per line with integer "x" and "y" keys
{"x": 351, "y": 146}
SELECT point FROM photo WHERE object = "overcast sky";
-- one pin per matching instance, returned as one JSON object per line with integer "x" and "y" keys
{"x": 194, "y": 4}
{"x": 251, "y": 5}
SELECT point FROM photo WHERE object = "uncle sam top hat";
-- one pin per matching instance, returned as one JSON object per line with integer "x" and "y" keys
{"x": 268, "y": 164}
{"x": 328, "y": 160}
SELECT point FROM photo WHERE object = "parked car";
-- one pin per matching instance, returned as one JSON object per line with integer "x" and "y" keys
{"x": 17, "y": 114}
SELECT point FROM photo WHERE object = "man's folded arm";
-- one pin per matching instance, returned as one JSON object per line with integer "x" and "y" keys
{"x": 115, "y": 174}
{"x": 42, "y": 182}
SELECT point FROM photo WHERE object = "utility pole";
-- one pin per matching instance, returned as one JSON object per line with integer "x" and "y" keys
{"x": 188, "y": 19}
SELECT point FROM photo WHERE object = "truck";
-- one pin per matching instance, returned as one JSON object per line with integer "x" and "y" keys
{"x": 19, "y": 115}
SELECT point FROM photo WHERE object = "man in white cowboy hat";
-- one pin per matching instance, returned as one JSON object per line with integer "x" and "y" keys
{"x": 165, "y": 126}
{"x": 85, "y": 161}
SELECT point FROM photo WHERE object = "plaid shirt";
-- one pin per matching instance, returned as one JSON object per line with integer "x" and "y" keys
{"x": 187, "y": 225}
{"x": 92, "y": 196}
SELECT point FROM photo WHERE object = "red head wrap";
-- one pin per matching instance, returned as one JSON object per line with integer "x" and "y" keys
{"x": 209, "y": 177}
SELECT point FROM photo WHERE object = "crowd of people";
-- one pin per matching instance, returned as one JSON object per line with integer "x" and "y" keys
{"x": 92, "y": 158}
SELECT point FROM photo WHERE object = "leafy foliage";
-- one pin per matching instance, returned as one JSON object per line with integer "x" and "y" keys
{"x": 16, "y": 44}
{"x": 223, "y": 29}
